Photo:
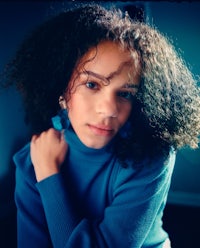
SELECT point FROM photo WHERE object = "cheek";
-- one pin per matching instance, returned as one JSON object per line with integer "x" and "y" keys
{"x": 72, "y": 106}
{"x": 125, "y": 113}
{"x": 77, "y": 106}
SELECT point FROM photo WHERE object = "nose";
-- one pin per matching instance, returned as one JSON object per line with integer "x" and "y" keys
{"x": 107, "y": 106}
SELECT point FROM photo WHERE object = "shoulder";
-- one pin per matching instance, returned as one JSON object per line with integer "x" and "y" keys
{"x": 156, "y": 172}
{"x": 22, "y": 161}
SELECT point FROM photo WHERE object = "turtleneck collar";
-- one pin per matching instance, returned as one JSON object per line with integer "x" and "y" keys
{"x": 80, "y": 150}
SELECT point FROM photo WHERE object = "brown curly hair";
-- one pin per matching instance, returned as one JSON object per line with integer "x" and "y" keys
{"x": 166, "y": 109}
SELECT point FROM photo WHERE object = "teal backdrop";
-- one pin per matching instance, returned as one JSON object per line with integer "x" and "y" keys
{"x": 180, "y": 21}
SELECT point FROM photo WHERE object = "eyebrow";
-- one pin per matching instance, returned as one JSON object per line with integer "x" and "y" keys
{"x": 119, "y": 69}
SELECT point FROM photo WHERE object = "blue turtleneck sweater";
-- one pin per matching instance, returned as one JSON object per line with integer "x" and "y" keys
{"x": 92, "y": 202}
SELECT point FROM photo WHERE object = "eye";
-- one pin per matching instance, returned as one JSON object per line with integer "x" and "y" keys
{"x": 126, "y": 95}
{"x": 92, "y": 85}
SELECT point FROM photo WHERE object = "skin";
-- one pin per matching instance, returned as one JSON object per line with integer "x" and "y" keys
{"x": 98, "y": 102}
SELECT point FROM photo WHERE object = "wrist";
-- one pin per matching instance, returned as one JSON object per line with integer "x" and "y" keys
{"x": 43, "y": 174}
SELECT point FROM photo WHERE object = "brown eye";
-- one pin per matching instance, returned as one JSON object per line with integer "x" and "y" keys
{"x": 126, "y": 95}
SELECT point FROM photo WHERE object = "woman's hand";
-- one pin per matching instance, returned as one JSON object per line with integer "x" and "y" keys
{"x": 48, "y": 151}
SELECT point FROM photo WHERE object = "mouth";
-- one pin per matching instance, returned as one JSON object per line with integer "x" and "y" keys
{"x": 101, "y": 130}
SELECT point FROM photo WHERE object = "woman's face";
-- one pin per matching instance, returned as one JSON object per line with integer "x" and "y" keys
{"x": 102, "y": 87}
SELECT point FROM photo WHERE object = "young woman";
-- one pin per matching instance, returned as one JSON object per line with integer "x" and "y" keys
{"x": 110, "y": 102}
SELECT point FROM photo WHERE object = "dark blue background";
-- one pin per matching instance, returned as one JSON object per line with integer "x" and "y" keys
{"x": 180, "y": 21}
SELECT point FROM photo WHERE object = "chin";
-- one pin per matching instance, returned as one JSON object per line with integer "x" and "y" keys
{"x": 94, "y": 145}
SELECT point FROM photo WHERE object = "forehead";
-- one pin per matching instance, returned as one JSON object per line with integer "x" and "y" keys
{"x": 109, "y": 56}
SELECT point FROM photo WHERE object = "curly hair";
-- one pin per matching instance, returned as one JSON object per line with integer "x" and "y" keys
{"x": 166, "y": 109}
{"x": 169, "y": 97}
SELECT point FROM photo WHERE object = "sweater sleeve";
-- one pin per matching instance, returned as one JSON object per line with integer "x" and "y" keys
{"x": 138, "y": 198}
{"x": 32, "y": 229}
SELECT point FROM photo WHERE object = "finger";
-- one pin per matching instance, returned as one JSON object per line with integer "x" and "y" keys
{"x": 34, "y": 138}
{"x": 59, "y": 135}
{"x": 62, "y": 135}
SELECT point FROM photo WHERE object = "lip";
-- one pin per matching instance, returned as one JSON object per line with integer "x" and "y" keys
{"x": 101, "y": 130}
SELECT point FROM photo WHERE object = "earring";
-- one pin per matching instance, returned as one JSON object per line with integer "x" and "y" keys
{"x": 62, "y": 102}
{"x": 61, "y": 121}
